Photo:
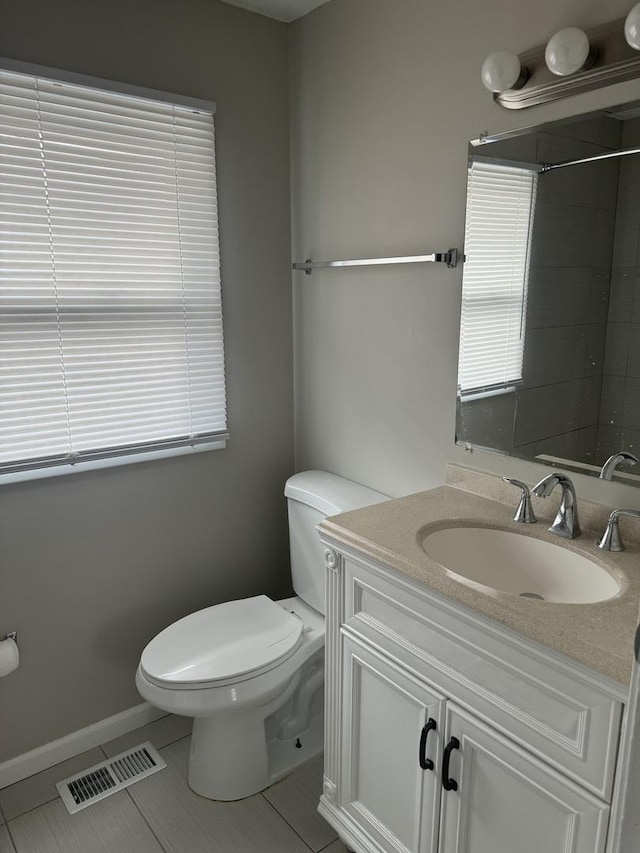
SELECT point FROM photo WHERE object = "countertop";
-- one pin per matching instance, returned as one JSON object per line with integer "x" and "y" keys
{"x": 599, "y": 635}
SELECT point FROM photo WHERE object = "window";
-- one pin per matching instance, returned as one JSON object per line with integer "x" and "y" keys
{"x": 110, "y": 311}
{"x": 500, "y": 205}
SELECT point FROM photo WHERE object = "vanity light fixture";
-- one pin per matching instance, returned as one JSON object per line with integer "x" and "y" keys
{"x": 568, "y": 52}
{"x": 572, "y": 62}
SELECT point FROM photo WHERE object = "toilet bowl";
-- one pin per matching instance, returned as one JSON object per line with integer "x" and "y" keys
{"x": 251, "y": 672}
{"x": 229, "y": 707}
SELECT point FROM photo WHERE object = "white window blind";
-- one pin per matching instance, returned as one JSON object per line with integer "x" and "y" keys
{"x": 500, "y": 205}
{"x": 110, "y": 311}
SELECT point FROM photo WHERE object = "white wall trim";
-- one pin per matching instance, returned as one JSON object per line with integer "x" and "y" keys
{"x": 23, "y": 766}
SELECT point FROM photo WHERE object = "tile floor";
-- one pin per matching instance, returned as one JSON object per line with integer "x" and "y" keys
{"x": 161, "y": 813}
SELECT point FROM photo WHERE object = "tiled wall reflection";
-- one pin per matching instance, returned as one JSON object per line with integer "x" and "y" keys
{"x": 619, "y": 426}
{"x": 570, "y": 276}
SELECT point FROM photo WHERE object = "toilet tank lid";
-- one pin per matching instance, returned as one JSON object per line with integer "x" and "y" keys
{"x": 330, "y": 494}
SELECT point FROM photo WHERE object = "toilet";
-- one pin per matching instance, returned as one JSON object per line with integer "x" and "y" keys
{"x": 251, "y": 672}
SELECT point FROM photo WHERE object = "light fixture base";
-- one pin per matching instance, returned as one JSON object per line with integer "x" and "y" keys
{"x": 612, "y": 60}
{"x": 522, "y": 80}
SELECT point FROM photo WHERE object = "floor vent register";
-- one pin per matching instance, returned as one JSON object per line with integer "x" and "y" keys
{"x": 110, "y": 776}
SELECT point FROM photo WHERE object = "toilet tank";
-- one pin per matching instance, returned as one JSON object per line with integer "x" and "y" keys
{"x": 312, "y": 496}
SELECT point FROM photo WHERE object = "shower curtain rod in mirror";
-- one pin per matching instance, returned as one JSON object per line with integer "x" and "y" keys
{"x": 623, "y": 152}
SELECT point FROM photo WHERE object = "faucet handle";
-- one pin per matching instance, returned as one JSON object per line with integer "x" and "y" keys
{"x": 611, "y": 539}
{"x": 524, "y": 513}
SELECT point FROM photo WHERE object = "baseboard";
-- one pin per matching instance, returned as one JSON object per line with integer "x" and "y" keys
{"x": 23, "y": 766}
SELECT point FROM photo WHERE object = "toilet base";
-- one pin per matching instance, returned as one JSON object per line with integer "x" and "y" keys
{"x": 228, "y": 758}
{"x": 235, "y": 760}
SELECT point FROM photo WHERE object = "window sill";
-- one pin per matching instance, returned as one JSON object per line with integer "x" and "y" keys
{"x": 111, "y": 462}
{"x": 486, "y": 393}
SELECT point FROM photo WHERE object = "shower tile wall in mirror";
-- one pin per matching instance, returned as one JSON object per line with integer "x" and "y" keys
{"x": 550, "y": 327}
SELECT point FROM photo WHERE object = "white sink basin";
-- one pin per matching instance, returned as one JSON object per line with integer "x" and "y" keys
{"x": 519, "y": 565}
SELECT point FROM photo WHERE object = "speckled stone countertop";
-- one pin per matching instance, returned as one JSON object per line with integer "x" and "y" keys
{"x": 599, "y": 635}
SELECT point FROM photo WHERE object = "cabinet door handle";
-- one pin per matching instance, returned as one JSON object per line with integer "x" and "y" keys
{"x": 426, "y": 763}
{"x": 447, "y": 783}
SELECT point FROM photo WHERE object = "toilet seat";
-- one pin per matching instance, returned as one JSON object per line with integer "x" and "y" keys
{"x": 222, "y": 644}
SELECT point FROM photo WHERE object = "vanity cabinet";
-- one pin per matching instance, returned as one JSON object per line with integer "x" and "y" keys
{"x": 446, "y": 733}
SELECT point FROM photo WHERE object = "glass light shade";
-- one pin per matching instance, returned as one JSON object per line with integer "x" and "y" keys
{"x": 501, "y": 71}
{"x": 632, "y": 27}
{"x": 567, "y": 51}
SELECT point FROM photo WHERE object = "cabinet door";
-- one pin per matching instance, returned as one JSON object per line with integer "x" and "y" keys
{"x": 386, "y": 731}
{"x": 509, "y": 802}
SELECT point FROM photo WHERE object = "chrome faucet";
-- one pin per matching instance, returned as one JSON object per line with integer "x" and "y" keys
{"x": 524, "y": 513}
{"x": 566, "y": 522}
{"x": 624, "y": 457}
{"x": 611, "y": 539}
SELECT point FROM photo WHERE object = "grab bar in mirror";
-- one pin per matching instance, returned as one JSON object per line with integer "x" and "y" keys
{"x": 450, "y": 258}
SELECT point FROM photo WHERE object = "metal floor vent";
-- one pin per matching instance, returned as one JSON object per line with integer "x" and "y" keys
{"x": 110, "y": 776}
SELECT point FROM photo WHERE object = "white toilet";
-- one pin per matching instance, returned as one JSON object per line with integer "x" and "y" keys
{"x": 251, "y": 671}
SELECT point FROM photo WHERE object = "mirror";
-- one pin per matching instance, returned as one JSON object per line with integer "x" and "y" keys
{"x": 550, "y": 326}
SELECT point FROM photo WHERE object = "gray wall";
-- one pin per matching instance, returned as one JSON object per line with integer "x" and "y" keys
{"x": 385, "y": 97}
{"x": 93, "y": 565}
